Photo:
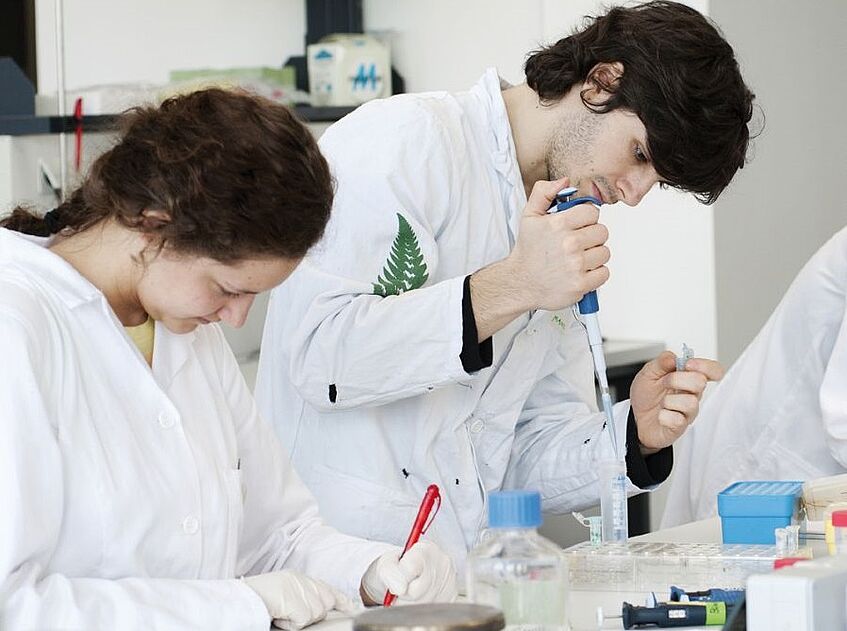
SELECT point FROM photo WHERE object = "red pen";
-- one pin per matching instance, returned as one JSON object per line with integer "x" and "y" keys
{"x": 422, "y": 522}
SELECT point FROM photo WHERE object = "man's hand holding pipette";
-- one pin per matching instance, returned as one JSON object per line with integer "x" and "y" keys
{"x": 557, "y": 259}
{"x": 665, "y": 402}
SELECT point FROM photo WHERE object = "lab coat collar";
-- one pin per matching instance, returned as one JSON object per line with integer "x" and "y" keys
{"x": 31, "y": 253}
{"x": 489, "y": 93}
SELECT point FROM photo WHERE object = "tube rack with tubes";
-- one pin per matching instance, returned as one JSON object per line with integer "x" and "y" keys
{"x": 654, "y": 567}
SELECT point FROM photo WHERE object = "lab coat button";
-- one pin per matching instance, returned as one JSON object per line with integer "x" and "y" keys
{"x": 190, "y": 525}
{"x": 477, "y": 426}
{"x": 166, "y": 420}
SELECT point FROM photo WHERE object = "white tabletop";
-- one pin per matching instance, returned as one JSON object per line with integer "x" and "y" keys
{"x": 706, "y": 531}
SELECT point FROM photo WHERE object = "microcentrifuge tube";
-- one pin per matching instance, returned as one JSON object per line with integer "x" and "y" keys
{"x": 613, "y": 507}
{"x": 792, "y": 539}
{"x": 686, "y": 354}
{"x": 594, "y": 525}
{"x": 781, "y": 540}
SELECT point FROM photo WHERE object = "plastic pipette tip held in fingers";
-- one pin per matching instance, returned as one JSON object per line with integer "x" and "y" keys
{"x": 682, "y": 360}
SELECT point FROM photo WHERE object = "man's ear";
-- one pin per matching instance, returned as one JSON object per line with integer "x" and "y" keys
{"x": 601, "y": 82}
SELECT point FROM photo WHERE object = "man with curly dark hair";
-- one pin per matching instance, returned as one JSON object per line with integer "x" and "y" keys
{"x": 430, "y": 338}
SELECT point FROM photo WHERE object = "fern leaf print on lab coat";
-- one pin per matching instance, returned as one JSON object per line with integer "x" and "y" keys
{"x": 405, "y": 267}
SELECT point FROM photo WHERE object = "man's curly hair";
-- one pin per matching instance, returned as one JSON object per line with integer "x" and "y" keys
{"x": 680, "y": 77}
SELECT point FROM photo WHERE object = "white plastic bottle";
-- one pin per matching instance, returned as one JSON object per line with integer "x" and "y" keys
{"x": 517, "y": 570}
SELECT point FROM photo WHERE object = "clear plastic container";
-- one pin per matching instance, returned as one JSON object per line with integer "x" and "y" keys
{"x": 613, "y": 506}
{"x": 829, "y": 531}
{"x": 839, "y": 527}
{"x": 517, "y": 570}
{"x": 647, "y": 566}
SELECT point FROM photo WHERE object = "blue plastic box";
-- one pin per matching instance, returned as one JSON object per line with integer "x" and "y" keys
{"x": 750, "y": 511}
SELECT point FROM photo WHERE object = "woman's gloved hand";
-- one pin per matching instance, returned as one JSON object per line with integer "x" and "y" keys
{"x": 424, "y": 574}
{"x": 294, "y": 600}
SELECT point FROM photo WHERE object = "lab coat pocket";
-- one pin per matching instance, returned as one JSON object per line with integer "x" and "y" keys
{"x": 235, "y": 516}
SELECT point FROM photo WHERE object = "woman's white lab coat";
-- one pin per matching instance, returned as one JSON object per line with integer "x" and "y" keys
{"x": 781, "y": 410}
{"x": 368, "y": 392}
{"x": 131, "y": 498}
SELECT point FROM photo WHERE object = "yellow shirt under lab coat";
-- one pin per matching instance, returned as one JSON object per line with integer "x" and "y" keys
{"x": 143, "y": 336}
{"x": 132, "y": 498}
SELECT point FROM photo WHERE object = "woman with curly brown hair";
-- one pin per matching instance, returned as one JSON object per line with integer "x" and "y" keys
{"x": 137, "y": 479}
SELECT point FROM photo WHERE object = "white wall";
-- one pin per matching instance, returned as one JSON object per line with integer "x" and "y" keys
{"x": 790, "y": 198}
{"x": 446, "y": 45}
{"x": 120, "y": 41}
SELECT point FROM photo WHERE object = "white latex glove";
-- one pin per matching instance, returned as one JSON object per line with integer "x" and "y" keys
{"x": 294, "y": 600}
{"x": 424, "y": 574}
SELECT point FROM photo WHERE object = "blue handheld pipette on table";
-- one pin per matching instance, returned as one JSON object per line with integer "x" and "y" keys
{"x": 613, "y": 482}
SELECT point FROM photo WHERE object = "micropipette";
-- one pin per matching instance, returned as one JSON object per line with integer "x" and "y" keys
{"x": 613, "y": 482}
{"x": 589, "y": 309}
{"x": 670, "y": 615}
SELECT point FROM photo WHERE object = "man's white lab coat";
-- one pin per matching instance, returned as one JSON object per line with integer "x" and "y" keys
{"x": 781, "y": 411}
{"x": 368, "y": 391}
{"x": 131, "y": 498}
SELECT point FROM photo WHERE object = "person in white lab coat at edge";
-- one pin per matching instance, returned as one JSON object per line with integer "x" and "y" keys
{"x": 429, "y": 338}
{"x": 137, "y": 481}
{"x": 781, "y": 411}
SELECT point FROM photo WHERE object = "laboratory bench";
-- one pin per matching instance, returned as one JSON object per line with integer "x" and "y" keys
{"x": 705, "y": 531}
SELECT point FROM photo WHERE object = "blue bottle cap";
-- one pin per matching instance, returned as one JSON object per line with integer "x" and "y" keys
{"x": 514, "y": 509}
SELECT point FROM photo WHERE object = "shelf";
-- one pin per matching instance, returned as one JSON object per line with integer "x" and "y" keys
{"x": 33, "y": 125}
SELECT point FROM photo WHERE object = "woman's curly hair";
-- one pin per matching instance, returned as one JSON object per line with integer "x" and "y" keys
{"x": 680, "y": 77}
{"x": 239, "y": 176}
